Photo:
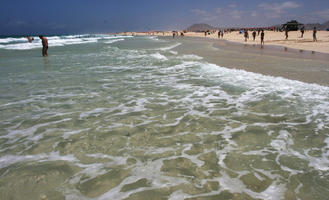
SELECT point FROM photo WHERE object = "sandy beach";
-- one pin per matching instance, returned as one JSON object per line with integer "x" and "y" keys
{"x": 271, "y": 38}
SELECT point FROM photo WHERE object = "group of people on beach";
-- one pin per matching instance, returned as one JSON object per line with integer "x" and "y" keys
{"x": 262, "y": 35}
{"x": 44, "y": 41}
{"x": 302, "y": 31}
{"x": 175, "y": 33}
{"x": 221, "y": 34}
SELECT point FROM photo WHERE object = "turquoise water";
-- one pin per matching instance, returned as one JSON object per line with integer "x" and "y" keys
{"x": 110, "y": 117}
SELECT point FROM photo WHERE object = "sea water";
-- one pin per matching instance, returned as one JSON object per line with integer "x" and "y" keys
{"x": 115, "y": 117}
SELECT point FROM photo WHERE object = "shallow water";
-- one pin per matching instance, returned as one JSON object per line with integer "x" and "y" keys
{"x": 130, "y": 118}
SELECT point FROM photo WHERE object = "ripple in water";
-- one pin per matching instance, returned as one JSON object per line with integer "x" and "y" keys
{"x": 148, "y": 123}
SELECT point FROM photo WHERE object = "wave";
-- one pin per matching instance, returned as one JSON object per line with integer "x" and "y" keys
{"x": 22, "y": 43}
{"x": 113, "y": 41}
{"x": 169, "y": 47}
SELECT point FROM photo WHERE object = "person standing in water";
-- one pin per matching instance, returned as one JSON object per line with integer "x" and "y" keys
{"x": 44, "y": 45}
{"x": 314, "y": 35}
{"x": 262, "y": 38}
{"x": 254, "y": 35}
{"x": 29, "y": 39}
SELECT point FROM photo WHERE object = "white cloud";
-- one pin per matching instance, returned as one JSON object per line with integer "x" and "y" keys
{"x": 205, "y": 16}
{"x": 324, "y": 14}
{"x": 236, "y": 14}
{"x": 218, "y": 10}
{"x": 232, "y": 5}
{"x": 199, "y": 12}
{"x": 276, "y": 10}
{"x": 289, "y": 5}
{"x": 17, "y": 23}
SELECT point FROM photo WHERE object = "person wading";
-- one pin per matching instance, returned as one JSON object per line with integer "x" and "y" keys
{"x": 44, "y": 45}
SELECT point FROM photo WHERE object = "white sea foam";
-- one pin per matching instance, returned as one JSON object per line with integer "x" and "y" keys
{"x": 194, "y": 92}
{"x": 169, "y": 47}
{"x": 190, "y": 57}
{"x": 10, "y": 39}
{"x": 113, "y": 41}
{"x": 159, "y": 56}
{"x": 8, "y": 160}
{"x": 55, "y": 41}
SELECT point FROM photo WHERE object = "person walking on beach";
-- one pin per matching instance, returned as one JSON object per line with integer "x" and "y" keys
{"x": 222, "y": 34}
{"x": 302, "y": 30}
{"x": 262, "y": 38}
{"x": 246, "y": 35}
{"x": 219, "y": 33}
{"x": 44, "y": 45}
{"x": 173, "y": 35}
{"x": 286, "y": 34}
{"x": 314, "y": 35}
{"x": 254, "y": 35}
{"x": 258, "y": 31}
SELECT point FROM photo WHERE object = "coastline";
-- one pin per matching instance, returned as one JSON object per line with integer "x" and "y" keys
{"x": 288, "y": 63}
{"x": 271, "y": 59}
{"x": 271, "y": 38}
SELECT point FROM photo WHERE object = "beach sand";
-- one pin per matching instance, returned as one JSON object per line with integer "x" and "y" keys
{"x": 271, "y": 38}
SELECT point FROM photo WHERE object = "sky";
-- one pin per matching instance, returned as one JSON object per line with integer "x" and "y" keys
{"x": 19, "y": 17}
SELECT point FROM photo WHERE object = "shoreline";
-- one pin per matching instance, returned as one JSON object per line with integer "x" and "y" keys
{"x": 292, "y": 64}
{"x": 271, "y": 38}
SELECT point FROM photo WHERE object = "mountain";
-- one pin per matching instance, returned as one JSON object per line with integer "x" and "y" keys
{"x": 199, "y": 27}
{"x": 318, "y": 26}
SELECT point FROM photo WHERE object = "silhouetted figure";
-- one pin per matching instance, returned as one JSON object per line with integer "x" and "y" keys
{"x": 182, "y": 34}
{"x": 314, "y": 35}
{"x": 262, "y": 38}
{"x": 286, "y": 34}
{"x": 246, "y": 35}
{"x": 302, "y": 30}
{"x": 258, "y": 31}
{"x": 173, "y": 35}
{"x": 29, "y": 39}
{"x": 222, "y": 33}
{"x": 44, "y": 45}
{"x": 205, "y": 33}
{"x": 254, "y": 35}
{"x": 219, "y": 33}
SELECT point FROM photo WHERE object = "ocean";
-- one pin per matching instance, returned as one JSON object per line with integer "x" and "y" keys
{"x": 123, "y": 117}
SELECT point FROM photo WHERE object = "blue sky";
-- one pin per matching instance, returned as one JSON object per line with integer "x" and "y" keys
{"x": 90, "y": 16}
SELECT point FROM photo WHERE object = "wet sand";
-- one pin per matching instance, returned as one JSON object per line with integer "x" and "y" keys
{"x": 302, "y": 65}
{"x": 278, "y": 39}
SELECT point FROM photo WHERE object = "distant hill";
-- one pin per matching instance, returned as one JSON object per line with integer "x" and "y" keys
{"x": 205, "y": 27}
{"x": 199, "y": 27}
{"x": 318, "y": 26}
